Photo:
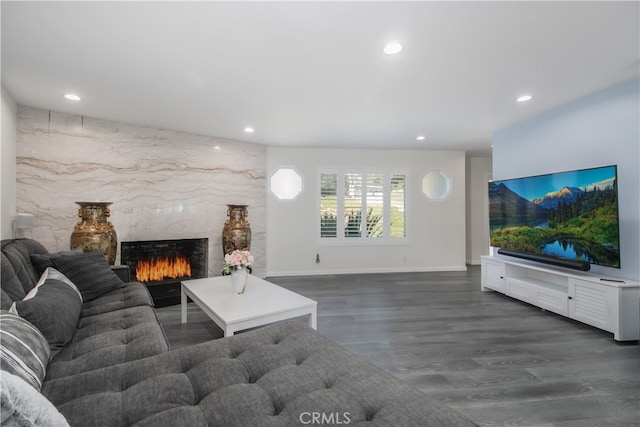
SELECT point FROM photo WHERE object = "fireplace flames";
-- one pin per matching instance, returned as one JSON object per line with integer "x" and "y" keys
{"x": 158, "y": 269}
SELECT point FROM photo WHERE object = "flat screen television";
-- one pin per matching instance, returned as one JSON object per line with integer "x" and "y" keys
{"x": 565, "y": 218}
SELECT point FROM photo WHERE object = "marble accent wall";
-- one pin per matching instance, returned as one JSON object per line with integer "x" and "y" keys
{"x": 163, "y": 184}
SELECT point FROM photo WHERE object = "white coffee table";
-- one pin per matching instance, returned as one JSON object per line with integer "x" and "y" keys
{"x": 261, "y": 303}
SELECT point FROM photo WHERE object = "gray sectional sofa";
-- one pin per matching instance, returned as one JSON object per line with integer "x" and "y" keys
{"x": 116, "y": 368}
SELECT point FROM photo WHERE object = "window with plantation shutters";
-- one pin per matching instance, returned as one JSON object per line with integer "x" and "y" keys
{"x": 362, "y": 206}
{"x": 352, "y": 198}
{"x": 398, "y": 204}
{"x": 328, "y": 205}
{"x": 374, "y": 202}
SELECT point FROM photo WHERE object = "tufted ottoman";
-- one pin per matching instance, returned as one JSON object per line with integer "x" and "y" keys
{"x": 282, "y": 375}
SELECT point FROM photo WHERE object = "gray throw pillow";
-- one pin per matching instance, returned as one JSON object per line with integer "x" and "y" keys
{"x": 52, "y": 273}
{"x": 24, "y": 351}
{"x": 54, "y": 308}
{"x": 21, "y": 405}
{"x": 42, "y": 261}
{"x": 90, "y": 273}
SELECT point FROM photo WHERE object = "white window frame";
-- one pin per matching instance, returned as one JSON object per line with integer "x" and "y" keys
{"x": 445, "y": 194}
{"x": 341, "y": 240}
{"x": 275, "y": 192}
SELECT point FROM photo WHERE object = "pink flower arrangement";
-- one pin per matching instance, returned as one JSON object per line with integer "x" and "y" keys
{"x": 237, "y": 259}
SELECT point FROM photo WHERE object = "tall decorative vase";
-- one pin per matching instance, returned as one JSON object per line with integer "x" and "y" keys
{"x": 94, "y": 232}
{"x": 236, "y": 233}
{"x": 239, "y": 280}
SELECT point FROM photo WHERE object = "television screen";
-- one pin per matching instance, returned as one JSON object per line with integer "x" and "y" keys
{"x": 568, "y": 215}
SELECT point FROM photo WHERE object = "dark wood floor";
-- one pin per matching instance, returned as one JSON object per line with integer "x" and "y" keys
{"x": 499, "y": 361}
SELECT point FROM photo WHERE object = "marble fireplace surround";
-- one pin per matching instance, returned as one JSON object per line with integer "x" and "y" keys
{"x": 163, "y": 184}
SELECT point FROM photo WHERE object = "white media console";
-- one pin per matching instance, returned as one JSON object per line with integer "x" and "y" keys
{"x": 607, "y": 303}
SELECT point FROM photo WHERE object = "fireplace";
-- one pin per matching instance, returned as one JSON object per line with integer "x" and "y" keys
{"x": 162, "y": 264}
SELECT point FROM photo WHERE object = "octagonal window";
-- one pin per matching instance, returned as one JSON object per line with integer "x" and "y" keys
{"x": 286, "y": 183}
{"x": 436, "y": 185}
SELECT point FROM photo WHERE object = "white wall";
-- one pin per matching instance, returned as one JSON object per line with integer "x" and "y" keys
{"x": 437, "y": 228}
{"x": 166, "y": 184}
{"x": 598, "y": 130}
{"x": 478, "y": 175}
{"x": 8, "y": 165}
{"x": 163, "y": 184}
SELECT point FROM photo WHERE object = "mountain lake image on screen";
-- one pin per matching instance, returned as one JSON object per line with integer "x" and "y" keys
{"x": 567, "y": 215}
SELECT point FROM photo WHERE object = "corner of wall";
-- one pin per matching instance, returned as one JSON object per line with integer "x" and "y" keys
{"x": 8, "y": 143}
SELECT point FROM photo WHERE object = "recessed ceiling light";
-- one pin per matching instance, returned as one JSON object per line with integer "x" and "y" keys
{"x": 217, "y": 147}
{"x": 392, "y": 48}
{"x": 524, "y": 98}
{"x": 248, "y": 130}
{"x": 421, "y": 138}
{"x": 72, "y": 97}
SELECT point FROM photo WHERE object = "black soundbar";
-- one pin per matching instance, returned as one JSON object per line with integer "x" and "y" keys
{"x": 568, "y": 263}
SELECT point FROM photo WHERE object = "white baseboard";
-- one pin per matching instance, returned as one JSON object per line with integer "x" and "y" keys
{"x": 364, "y": 271}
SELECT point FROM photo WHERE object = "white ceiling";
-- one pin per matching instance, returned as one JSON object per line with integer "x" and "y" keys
{"x": 313, "y": 73}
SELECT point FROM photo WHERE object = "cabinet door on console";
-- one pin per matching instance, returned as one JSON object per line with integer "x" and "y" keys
{"x": 493, "y": 276}
{"x": 592, "y": 304}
